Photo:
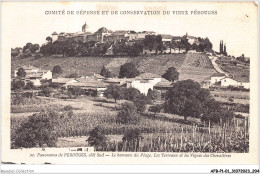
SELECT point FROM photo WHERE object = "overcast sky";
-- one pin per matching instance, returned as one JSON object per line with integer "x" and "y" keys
{"x": 235, "y": 23}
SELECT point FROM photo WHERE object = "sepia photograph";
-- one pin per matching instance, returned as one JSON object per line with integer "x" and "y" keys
{"x": 132, "y": 77}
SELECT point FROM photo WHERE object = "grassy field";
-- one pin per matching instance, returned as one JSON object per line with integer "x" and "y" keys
{"x": 191, "y": 65}
{"x": 241, "y": 97}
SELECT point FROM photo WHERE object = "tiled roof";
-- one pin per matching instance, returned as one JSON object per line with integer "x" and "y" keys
{"x": 92, "y": 84}
{"x": 163, "y": 84}
{"x": 62, "y": 80}
{"x": 148, "y": 76}
{"x": 166, "y": 36}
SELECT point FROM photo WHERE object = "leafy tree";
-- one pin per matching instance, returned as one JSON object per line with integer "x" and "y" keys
{"x": 113, "y": 91}
{"x": 155, "y": 109}
{"x": 37, "y": 131}
{"x": 187, "y": 98}
{"x": 105, "y": 72}
{"x": 171, "y": 74}
{"x": 97, "y": 138}
{"x": 130, "y": 93}
{"x": 56, "y": 70}
{"x": 21, "y": 73}
{"x": 128, "y": 70}
{"x": 31, "y": 47}
{"x": 128, "y": 114}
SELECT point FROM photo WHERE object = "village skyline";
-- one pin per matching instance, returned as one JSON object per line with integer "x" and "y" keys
{"x": 237, "y": 35}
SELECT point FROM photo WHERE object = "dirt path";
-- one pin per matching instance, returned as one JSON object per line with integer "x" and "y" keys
{"x": 217, "y": 68}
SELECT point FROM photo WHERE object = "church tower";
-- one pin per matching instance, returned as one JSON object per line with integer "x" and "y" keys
{"x": 84, "y": 27}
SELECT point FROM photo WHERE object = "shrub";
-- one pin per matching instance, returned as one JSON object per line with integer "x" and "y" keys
{"x": 140, "y": 103}
{"x": 128, "y": 114}
{"x": 17, "y": 85}
{"x": 37, "y": 131}
{"x": 57, "y": 70}
{"x": 130, "y": 93}
{"x": 97, "y": 138}
{"x": 155, "y": 109}
{"x": 46, "y": 91}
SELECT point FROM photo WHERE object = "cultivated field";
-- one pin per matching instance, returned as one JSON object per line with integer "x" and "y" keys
{"x": 163, "y": 132}
{"x": 197, "y": 67}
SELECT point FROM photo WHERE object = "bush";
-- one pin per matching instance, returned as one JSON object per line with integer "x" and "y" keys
{"x": 130, "y": 93}
{"x": 17, "y": 85}
{"x": 128, "y": 114}
{"x": 57, "y": 70}
{"x": 97, "y": 138}
{"x": 156, "y": 109}
{"x": 37, "y": 131}
{"x": 140, "y": 103}
{"x": 29, "y": 85}
{"x": 46, "y": 91}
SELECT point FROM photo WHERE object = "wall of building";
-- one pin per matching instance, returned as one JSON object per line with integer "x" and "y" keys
{"x": 213, "y": 80}
{"x": 228, "y": 82}
{"x": 47, "y": 75}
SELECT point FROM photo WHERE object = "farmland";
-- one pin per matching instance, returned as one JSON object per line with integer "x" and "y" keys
{"x": 197, "y": 67}
{"x": 164, "y": 132}
{"x": 191, "y": 65}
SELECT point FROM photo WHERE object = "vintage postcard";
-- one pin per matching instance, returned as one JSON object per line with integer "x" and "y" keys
{"x": 129, "y": 82}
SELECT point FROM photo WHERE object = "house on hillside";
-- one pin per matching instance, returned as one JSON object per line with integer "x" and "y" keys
{"x": 143, "y": 82}
{"x": 63, "y": 82}
{"x": 191, "y": 39}
{"x": 93, "y": 76}
{"x": 237, "y": 81}
{"x": 28, "y": 69}
{"x": 91, "y": 86}
{"x": 216, "y": 78}
{"x": 34, "y": 74}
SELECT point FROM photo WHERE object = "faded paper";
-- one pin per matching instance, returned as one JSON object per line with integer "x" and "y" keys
{"x": 235, "y": 22}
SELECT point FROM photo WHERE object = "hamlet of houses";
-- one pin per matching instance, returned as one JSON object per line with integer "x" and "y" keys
{"x": 97, "y": 84}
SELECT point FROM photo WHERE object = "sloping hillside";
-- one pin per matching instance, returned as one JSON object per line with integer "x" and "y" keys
{"x": 197, "y": 67}
{"x": 191, "y": 65}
